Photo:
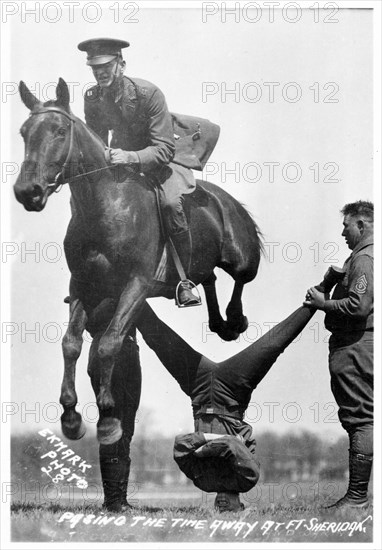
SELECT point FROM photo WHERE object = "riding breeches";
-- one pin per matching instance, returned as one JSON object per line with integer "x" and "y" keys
{"x": 126, "y": 391}
{"x": 351, "y": 372}
{"x": 179, "y": 182}
{"x": 227, "y": 385}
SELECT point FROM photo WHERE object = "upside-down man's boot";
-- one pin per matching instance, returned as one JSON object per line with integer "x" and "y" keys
{"x": 183, "y": 245}
{"x": 115, "y": 477}
{"x": 359, "y": 475}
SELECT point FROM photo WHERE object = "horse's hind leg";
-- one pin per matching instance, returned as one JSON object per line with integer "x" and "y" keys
{"x": 71, "y": 421}
{"x": 216, "y": 321}
{"x": 236, "y": 321}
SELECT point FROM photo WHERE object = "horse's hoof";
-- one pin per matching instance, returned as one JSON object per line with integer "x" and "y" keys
{"x": 228, "y": 335}
{"x": 71, "y": 425}
{"x": 224, "y": 331}
{"x": 238, "y": 325}
{"x": 215, "y": 327}
{"x": 109, "y": 431}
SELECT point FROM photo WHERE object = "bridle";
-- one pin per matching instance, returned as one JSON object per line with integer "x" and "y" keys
{"x": 56, "y": 185}
{"x": 60, "y": 179}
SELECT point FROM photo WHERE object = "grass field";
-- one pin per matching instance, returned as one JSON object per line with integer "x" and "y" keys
{"x": 285, "y": 517}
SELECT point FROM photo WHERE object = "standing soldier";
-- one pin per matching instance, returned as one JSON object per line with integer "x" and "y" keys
{"x": 349, "y": 317}
{"x": 143, "y": 139}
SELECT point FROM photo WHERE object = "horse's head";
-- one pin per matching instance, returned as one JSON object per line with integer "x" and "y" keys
{"x": 48, "y": 137}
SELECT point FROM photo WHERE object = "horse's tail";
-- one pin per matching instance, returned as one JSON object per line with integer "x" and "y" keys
{"x": 258, "y": 230}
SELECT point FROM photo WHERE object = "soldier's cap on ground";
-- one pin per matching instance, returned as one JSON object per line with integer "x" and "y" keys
{"x": 102, "y": 50}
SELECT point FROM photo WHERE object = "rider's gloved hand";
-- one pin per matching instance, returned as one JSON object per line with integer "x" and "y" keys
{"x": 118, "y": 156}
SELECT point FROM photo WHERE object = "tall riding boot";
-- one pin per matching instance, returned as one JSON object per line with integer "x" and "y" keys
{"x": 183, "y": 246}
{"x": 115, "y": 477}
{"x": 359, "y": 475}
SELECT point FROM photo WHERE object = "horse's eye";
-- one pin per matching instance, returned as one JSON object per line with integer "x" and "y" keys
{"x": 61, "y": 131}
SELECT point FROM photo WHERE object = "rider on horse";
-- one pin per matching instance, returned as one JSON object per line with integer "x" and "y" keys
{"x": 148, "y": 139}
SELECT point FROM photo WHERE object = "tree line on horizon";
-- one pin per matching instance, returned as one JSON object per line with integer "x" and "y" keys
{"x": 290, "y": 456}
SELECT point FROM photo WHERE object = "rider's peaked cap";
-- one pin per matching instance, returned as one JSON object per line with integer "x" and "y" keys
{"x": 102, "y": 50}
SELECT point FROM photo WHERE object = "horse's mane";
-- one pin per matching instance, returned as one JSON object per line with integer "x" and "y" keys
{"x": 93, "y": 133}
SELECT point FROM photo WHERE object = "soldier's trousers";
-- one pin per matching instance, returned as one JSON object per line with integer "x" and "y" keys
{"x": 351, "y": 372}
{"x": 235, "y": 378}
{"x": 180, "y": 182}
{"x": 126, "y": 391}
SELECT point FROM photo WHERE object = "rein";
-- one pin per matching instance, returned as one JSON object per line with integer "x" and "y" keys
{"x": 60, "y": 179}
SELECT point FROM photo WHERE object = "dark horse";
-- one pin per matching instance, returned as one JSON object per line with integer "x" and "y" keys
{"x": 114, "y": 242}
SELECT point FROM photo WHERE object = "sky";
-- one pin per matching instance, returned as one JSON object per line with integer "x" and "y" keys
{"x": 295, "y": 105}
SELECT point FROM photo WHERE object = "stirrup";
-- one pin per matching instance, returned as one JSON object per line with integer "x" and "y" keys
{"x": 192, "y": 287}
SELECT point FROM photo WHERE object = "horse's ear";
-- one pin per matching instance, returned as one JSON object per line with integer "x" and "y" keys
{"x": 29, "y": 100}
{"x": 62, "y": 94}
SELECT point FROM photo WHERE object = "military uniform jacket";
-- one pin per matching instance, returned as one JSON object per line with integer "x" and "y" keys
{"x": 225, "y": 464}
{"x": 351, "y": 307}
{"x": 137, "y": 115}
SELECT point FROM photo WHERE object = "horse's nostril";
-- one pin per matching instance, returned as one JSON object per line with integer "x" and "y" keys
{"x": 37, "y": 190}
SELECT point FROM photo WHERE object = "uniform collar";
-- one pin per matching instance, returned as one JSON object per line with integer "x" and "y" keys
{"x": 128, "y": 91}
{"x": 125, "y": 89}
{"x": 362, "y": 244}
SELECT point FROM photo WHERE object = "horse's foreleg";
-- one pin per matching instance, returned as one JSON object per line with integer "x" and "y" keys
{"x": 71, "y": 421}
{"x": 236, "y": 321}
{"x": 109, "y": 428}
{"x": 216, "y": 322}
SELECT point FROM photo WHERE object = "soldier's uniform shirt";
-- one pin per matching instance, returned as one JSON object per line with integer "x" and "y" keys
{"x": 351, "y": 306}
{"x": 226, "y": 464}
{"x": 349, "y": 317}
{"x": 136, "y": 114}
{"x": 138, "y": 118}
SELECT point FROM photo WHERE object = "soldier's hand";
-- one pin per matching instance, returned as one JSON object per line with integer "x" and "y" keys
{"x": 118, "y": 156}
{"x": 317, "y": 287}
{"x": 314, "y": 298}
